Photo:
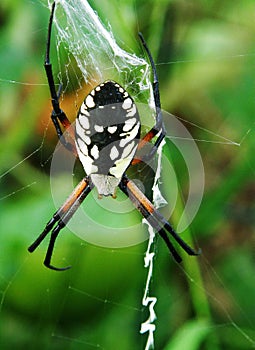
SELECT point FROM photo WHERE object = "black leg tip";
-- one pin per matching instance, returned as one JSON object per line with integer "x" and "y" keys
{"x": 30, "y": 249}
{"x": 51, "y": 267}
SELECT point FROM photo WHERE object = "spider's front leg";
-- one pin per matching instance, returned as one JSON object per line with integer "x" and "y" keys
{"x": 58, "y": 115}
{"x": 159, "y": 128}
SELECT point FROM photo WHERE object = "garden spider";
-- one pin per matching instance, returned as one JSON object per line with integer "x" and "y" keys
{"x": 106, "y": 138}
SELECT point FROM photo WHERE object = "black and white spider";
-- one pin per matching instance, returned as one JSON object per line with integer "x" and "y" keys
{"x": 106, "y": 138}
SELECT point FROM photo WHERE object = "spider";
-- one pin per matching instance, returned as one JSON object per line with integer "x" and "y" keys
{"x": 106, "y": 138}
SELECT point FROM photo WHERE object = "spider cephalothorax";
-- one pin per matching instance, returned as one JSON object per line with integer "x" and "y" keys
{"x": 106, "y": 138}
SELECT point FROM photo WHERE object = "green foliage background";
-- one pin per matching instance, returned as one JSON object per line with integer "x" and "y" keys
{"x": 205, "y": 50}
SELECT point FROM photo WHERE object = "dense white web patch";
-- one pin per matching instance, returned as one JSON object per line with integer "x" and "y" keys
{"x": 95, "y": 50}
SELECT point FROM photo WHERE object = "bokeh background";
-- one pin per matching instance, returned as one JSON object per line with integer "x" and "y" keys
{"x": 205, "y": 55}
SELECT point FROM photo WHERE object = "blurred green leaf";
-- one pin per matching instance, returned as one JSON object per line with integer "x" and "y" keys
{"x": 190, "y": 336}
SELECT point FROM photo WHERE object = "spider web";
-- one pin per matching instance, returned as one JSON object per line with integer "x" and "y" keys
{"x": 42, "y": 286}
{"x": 95, "y": 50}
{"x": 106, "y": 60}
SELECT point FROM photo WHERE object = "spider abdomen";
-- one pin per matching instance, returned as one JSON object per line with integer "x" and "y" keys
{"x": 107, "y": 134}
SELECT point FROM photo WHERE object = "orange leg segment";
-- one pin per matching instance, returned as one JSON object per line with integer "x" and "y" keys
{"x": 154, "y": 218}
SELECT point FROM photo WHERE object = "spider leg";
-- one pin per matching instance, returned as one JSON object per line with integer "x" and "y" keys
{"x": 58, "y": 115}
{"x": 155, "y": 219}
{"x": 159, "y": 127}
{"x": 61, "y": 224}
{"x": 61, "y": 218}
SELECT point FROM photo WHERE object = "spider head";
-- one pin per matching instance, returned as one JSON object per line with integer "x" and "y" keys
{"x": 105, "y": 184}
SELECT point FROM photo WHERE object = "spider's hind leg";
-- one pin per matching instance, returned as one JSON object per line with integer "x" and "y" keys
{"x": 60, "y": 219}
{"x": 49, "y": 226}
{"x": 154, "y": 218}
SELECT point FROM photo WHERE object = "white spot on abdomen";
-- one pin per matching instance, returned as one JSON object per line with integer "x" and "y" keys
{"x": 114, "y": 153}
{"x": 90, "y": 101}
{"x": 99, "y": 128}
{"x": 112, "y": 129}
{"x": 129, "y": 124}
{"x": 127, "y": 103}
{"x": 84, "y": 121}
{"x": 94, "y": 152}
{"x": 131, "y": 111}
